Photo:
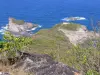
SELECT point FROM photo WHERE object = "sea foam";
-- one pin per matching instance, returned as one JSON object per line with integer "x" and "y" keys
{"x": 33, "y": 29}
{"x": 4, "y": 28}
{"x": 73, "y": 18}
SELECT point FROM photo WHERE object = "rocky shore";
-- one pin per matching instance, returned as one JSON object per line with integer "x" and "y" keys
{"x": 19, "y": 27}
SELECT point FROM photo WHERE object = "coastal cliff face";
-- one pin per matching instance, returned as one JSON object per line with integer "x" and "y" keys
{"x": 19, "y": 26}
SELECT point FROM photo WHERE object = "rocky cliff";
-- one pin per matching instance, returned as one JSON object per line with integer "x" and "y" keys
{"x": 19, "y": 27}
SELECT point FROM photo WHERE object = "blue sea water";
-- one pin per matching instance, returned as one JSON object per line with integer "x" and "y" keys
{"x": 49, "y": 12}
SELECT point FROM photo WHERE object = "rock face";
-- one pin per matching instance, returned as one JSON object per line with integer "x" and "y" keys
{"x": 43, "y": 65}
{"x": 78, "y": 36}
{"x": 19, "y": 26}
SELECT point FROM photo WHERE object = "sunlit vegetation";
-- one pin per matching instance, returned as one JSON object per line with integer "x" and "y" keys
{"x": 84, "y": 57}
{"x": 11, "y": 44}
{"x": 19, "y": 22}
{"x": 70, "y": 26}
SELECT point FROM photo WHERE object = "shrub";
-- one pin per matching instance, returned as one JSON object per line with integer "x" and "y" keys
{"x": 14, "y": 44}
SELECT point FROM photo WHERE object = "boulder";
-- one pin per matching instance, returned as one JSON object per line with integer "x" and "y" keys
{"x": 39, "y": 64}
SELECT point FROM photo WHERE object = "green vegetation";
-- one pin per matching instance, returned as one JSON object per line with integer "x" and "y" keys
{"x": 12, "y": 44}
{"x": 70, "y": 26}
{"x": 47, "y": 40}
{"x": 86, "y": 60}
{"x": 84, "y": 57}
{"x": 19, "y": 22}
{"x": 1, "y": 44}
{"x": 92, "y": 72}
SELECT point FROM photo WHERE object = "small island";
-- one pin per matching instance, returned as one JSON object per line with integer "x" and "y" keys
{"x": 19, "y": 27}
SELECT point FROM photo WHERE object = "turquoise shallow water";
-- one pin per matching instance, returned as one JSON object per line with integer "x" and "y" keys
{"x": 49, "y": 12}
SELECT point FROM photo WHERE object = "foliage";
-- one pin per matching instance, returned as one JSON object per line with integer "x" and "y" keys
{"x": 13, "y": 44}
{"x": 19, "y": 22}
{"x": 54, "y": 43}
{"x": 85, "y": 57}
{"x": 92, "y": 72}
{"x": 1, "y": 44}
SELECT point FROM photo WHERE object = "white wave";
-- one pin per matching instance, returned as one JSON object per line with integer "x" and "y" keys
{"x": 3, "y": 29}
{"x": 73, "y": 18}
{"x": 2, "y": 33}
{"x": 39, "y": 26}
{"x": 32, "y": 29}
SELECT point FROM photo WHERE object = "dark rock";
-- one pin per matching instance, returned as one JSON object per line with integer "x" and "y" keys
{"x": 43, "y": 65}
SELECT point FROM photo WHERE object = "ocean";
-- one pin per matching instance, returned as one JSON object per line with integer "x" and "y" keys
{"x": 47, "y": 13}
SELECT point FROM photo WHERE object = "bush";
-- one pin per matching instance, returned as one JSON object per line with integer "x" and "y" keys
{"x": 12, "y": 44}
{"x": 92, "y": 72}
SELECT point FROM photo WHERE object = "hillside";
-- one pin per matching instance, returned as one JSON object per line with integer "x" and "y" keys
{"x": 52, "y": 51}
{"x": 57, "y": 43}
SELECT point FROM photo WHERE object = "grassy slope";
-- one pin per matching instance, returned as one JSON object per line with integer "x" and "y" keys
{"x": 50, "y": 41}
{"x": 19, "y": 22}
{"x": 53, "y": 42}
{"x": 71, "y": 26}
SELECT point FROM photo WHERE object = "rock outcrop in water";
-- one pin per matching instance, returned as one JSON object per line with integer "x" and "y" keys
{"x": 38, "y": 64}
{"x": 19, "y": 27}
